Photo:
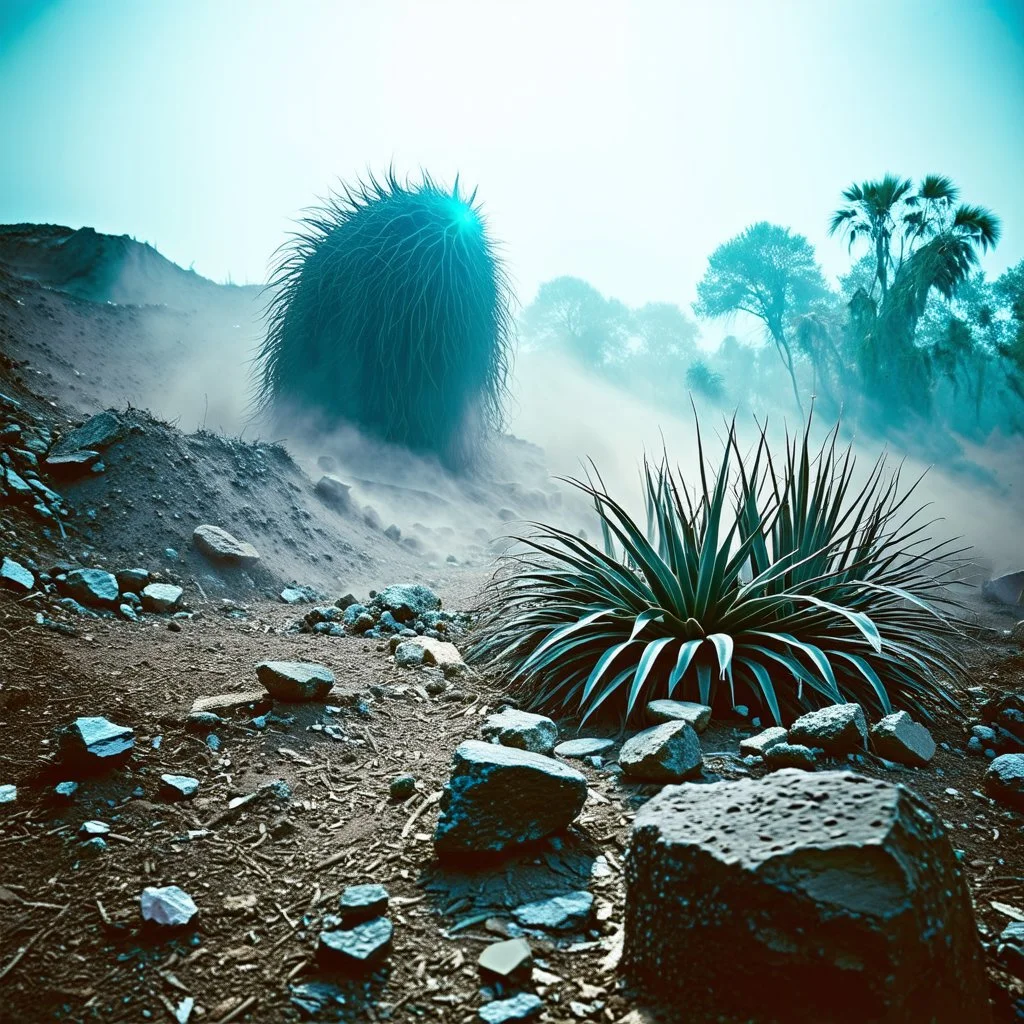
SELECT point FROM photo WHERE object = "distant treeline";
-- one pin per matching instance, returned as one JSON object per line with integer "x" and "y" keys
{"x": 913, "y": 332}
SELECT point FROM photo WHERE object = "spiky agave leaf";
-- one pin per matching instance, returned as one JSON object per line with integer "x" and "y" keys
{"x": 776, "y": 578}
{"x": 390, "y": 310}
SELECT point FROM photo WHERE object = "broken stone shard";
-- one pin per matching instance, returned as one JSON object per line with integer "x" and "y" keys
{"x": 838, "y": 729}
{"x": 96, "y": 740}
{"x": 15, "y": 576}
{"x": 506, "y": 959}
{"x": 791, "y": 755}
{"x": 840, "y": 896}
{"x": 161, "y": 597}
{"x": 355, "y": 947}
{"x": 586, "y": 746}
{"x": 560, "y": 913}
{"x": 512, "y": 728}
{"x": 218, "y": 544}
{"x": 360, "y": 903}
{"x": 524, "y": 1006}
{"x": 899, "y": 738}
{"x": 698, "y": 715}
{"x": 98, "y": 432}
{"x": 295, "y": 681}
{"x": 758, "y": 744}
{"x": 499, "y": 797}
{"x": 95, "y": 588}
{"x": 167, "y": 905}
{"x": 179, "y": 787}
{"x": 665, "y": 753}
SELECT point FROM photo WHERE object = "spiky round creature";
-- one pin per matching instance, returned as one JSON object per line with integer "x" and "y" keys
{"x": 391, "y": 312}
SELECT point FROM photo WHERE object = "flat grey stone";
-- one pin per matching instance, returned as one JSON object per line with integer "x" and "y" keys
{"x": 560, "y": 913}
{"x": 698, "y": 715}
{"x": 70, "y": 461}
{"x": 96, "y": 740}
{"x": 362, "y": 903}
{"x": 179, "y": 787}
{"x": 14, "y": 576}
{"x": 506, "y": 959}
{"x": 791, "y": 755}
{"x": 161, "y": 597}
{"x": 8, "y": 793}
{"x": 758, "y": 744}
{"x": 167, "y": 905}
{"x": 98, "y": 432}
{"x": 132, "y": 580}
{"x": 1004, "y": 780}
{"x": 826, "y": 897}
{"x": 899, "y": 738}
{"x": 498, "y": 797}
{"x": 95, "y": 588}
{"x": 355, "y": 947}
{"x": 838, "y": 729}
{"x": 425, "y": 650}
{"x": 295, "y": 681}
{"x": 94, "y": 828}
{"x": 585, "y": 746}
{"x": 665, "y": 753}
{"x": 513, "y": 728}
{"x": 524, "y": 1006}
{"x": 218, "y": 544}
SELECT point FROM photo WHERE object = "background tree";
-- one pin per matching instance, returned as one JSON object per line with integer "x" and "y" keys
{"x": 769, "y": 273}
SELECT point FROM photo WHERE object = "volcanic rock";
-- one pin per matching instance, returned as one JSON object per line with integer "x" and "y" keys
{"x": 362, "y": 903}
{"x": 839, "y": 895}
{"x": 499, "y": 796}
{"x": 295, "y": 681}
{"x": 161, "y": 597}
{"x": 899, "y": 738}
{"x": 355, "y": 947}
{"x": 758, "y": 744}
{"x": 96, "y": 741}
{"x": 560, "y": 913}
{"x": 791, "y": 755}
{"x": 15, "y": 576}
{"x": 665, "y": 753}
{"x": 521, "y": 729}
{"x": 698, "y": 715}
{"x": 838, "y": 729}
{"x": 96, "y": 588}
{"x": 218, "y": 544}
{"x": 1004, "y": 780}
{"x": 407, "y": 600}
{"x": 585, "y": 746}
{"x": 167, "y": 905}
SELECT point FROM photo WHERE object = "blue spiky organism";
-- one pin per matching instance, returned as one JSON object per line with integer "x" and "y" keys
{"x": 391, "y": 312}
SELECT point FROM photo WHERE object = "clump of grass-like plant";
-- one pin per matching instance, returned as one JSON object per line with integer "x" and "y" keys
{"x": 775, "y": 579}
{"x": 391, "y": 312}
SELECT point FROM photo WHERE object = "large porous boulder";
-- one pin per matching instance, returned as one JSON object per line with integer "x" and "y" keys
{"x": 521, "y": 729}
{"x": 500, "y": 796}
{"x": 839, "y": 729}
{"x": 666, "y": 753}
{"x": 218, "y": 544}
{"x": 799, "y": 898}
{"x": 407, "y": 601}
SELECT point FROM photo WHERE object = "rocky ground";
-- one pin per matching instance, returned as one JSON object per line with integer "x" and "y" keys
{"x": 180, "y": 834}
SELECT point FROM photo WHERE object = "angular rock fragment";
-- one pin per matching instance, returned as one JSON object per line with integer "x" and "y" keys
{"x": 167, "y": 905}
{"x": 499, "y": 797}
{"x": 179, "y": 787}
{"x": 360, "y": 903}
{"x": 131, "y": 581}
{"x": 759, "y": 744}
{"x": 95, "y": 588}
{"x": 524, "y": 1006}
{"x": 96, "y": 741}
{"x": 402, "y": 787}
{"x": 560, "y": 913}
{"x": 203, "y": 706}
{"x": 839, "y": 895}
{"x": 14, "y": 576}
{"x": 508, "y": 959}
{"x": 94, "y": 828}
{"x": 1008, "y": 589}
{"x": 665, "y": 753}
{"x": 333, "y": 492}
{"x": 161, "y": 597}
{"x": 585, "y": 746}
{"x": 791, "y": 755}
{"x": 425, "y": 650}
{"x": 521, "y": 729}
{"x": 407, "y": 600}
{"x": 899, "y": 738}
{"x": 8, "y": 793}
{"x": 1004, "y": 780}
{"x": 218, "y": 544}
{"x": 349, "y": 948}
{"x": 698, "y": 715}
{"x": 838, "y": 729}
{"x": 295, "y": 681}
{"x": 98, "y": 432}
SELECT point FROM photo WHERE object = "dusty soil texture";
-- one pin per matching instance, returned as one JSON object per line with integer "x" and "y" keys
{"x": 265, "y": 876}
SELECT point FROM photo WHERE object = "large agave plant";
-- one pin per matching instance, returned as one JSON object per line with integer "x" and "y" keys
{"x": 775, "y": 578}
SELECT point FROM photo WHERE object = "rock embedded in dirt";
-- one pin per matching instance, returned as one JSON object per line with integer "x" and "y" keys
{"x": 65, "y": 790}
{"x": 664, "y": 753}
{"x": 203, "y": 707}
{"x": 521, "y": 729}
{"x": 295, "y": 681}
{"x": 73, "y": 462}
{"x": 839, "y": 895}
{"x": 98, "y": 432}
{"x": 95, "y": 588}
{"x": 698, "y": 715}
{"x": 348, "y": 948}
{"x": 94, "y": 828}
{"x": 899, "y": 738}
{"x": 585, "y": 746}
{"x": 167, "y": 905}
{"x": 361, "y": 903}
{"x": 161, "y": 597}
{"x": 791, "y": 755}
{"x": 296, "y": 595}
{"x": 14, "y": 576}
{"x": 8, "y": 793}
{"x": 505, "y": 960}
{"x": 1010, "y": 948}
{"x": 1008, "y": 589}
{"x": 424, "y": 650}
{"x": 525, "y": 1006}
{"x": 333, "y": 492}
{"x": 407, "y": 600}
{"x": 1004, "y": 780}
{"x": 402, "y": 787}
{"x": 838, "y": 729}
{"x": 95, "y": 741}
{"x": 499, "y": 797}
{"x": 757, "y": 745}
{"x": 179, "y": 787}
{"x": 218, "y": 544}
{"x": 131, "y": 581}
{"x": 559, "y": 913}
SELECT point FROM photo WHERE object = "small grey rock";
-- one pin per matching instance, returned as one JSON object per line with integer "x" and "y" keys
{"x": 838, "y": 729}
{"x": 8, "y": 793}
{"x": 179, "y": 787}
{"x": 899, "y": 738}
{"x": 560, "y": 913}
{"x": 167, "y": 905}
{"x": 790, "y": 755}
{"x": 295, "y": 681}
{"x": 665, "y": 753}
{"x": 505, "y": 959}
{"x": 362, "y": 903}
{"x": 355, "y": 947}
{"x": 585, "y": 746}
{"x": 161, "y": 597}
{"x": 96, "y": 740}
{"x": 218, "y": 544}
{"x": 1004, "y": 780}
{"x": 521, "y": 729}
{"x": 524, "y": 1006}
{"x": 15, "y": 576}
{"x": 758, "y": 744}
{"x": 96, "y": 588}
{"x": 698, "y": 715}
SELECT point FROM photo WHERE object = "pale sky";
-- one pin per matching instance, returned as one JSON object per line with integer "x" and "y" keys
{"x": 619, "y": 142}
